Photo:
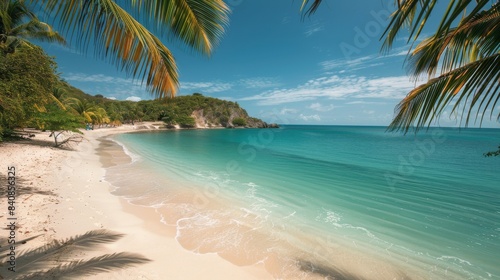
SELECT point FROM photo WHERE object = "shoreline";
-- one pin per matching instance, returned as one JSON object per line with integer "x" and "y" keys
{"x": 64, "y": 193}
{"x": 294, "y": 264}
{"x": 66, "y": 190}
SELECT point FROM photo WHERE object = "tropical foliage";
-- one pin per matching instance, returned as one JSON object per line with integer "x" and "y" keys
{"x": 19, "y": 24}
{"x": 119, "y": 37}
{"x": 57, "y": 120}
{"x": 27, "y": 79}
{"x": 175, "y": 111}
{"x": 31, "y": 94}
{"x": 239, "y": 122}
{"x": 461, "y": 61}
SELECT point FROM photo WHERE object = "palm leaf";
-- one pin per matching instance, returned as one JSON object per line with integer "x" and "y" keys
{"x": 199, "y": 23}
{"x": 474, "y": 86}
{"x": 5, "y": 246}
{"x": 478, "y": 37}
{"x": 309, "y": 8}
{"x": 57, "y": 96}
{"x": 36, "y": 29}
{"x": 60, "y": 249}
{"x": 120, "y": 39}
{"x": 414, "y": 15}
{"x": 90, "y": 267}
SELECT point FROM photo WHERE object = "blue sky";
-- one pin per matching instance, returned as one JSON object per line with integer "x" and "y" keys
{"x": 324, "y": 69}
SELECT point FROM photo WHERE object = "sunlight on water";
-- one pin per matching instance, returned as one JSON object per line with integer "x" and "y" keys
{"x": 314, "y": 202}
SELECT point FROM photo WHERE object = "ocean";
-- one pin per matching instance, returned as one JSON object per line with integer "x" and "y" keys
{"x": 323, "y": 202}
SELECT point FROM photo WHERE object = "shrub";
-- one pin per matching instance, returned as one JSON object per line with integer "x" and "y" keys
{"x": 186, "y": 122}
{"x": 239, "y": 122}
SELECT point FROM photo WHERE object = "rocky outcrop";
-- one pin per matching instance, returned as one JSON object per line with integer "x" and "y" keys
{"x": 238, "y": 117}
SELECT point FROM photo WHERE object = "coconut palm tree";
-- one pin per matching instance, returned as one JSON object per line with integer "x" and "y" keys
{"x": 101, "y": 116}
{"x": 83, "y": 108}
{"x": 18, "y": 24}
{"x": 117, "y": 36}
{"x": 461, "y": 60}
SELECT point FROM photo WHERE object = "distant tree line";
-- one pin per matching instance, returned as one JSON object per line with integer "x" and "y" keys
{"x": 33, "y": 95}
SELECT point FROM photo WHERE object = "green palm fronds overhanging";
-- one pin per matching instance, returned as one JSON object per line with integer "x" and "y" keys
{"x": 467, "y": 58}
{"x": 414, "y": 14}
{"x": 464, "y": 55}
{"x": 121, "y": 39}
{"x": 474, "y": 86}
{"x": 474, "y": 38}
{"x": 309, "y": 7}
{"x": 18, "y": 24}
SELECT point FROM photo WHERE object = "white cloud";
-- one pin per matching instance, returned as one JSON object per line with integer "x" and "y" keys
{"x": 260, "y": 82}
{"x": 314, "y": 28}
{"x": 133, "y": 98}
{"x": 286, "y": 111}
{"x": 206, "y": 87}
{"x": 328, "y": 65}
{"x": 364, "y": 102}
{"x": 343, "y": 65}
{"x": 336, "y": 87}
{"x": 310, "y": 118}
{"x": 112, "y": 98}
{"x": 321, "y": 108}
{"x": 106, "y": 85}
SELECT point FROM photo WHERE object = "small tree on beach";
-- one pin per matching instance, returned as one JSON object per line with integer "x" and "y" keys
{"x": 58, "y": 121}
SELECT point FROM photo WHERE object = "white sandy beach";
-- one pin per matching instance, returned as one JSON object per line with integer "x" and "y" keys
{"x": 61, "y": 193}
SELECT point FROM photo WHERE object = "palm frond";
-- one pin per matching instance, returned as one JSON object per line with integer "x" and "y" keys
{"x": 471, "y": 40}
{"x": 309, "y": 8}
{"x": 35, "y": 258}
{"x": 475, "y": 86}
{"x": 57, "y": 96}
{"x": 38, "y": 30}
{"x": 199, "y": 23}
{"x": 90, "y": 267}
{"x": 13, "y": 13}
{"x": 414, "y": 15}
{"x": 19, "y": 24}
{"x": 5, "y": 246}
{"x": 118, "y": 38}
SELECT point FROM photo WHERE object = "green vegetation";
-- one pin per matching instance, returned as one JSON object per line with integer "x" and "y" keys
{"x": 239, "y": 122}
{"x": 27, "y": 79}
{"x": 185, "y": 122}
{"x": 461, "y": 60}
{"x": 18, "y": 24}
{"x": 32, "y": 95}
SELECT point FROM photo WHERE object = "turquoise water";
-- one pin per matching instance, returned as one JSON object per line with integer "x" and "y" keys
{"x": 326, "y": 201}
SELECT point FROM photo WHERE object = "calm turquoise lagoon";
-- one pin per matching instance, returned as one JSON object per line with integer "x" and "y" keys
{"x": 312, "y": 202}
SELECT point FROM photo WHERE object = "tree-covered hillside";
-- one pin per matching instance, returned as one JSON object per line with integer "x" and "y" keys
{"x": 187, "y": 111}
{"x": 33, "y": 95}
